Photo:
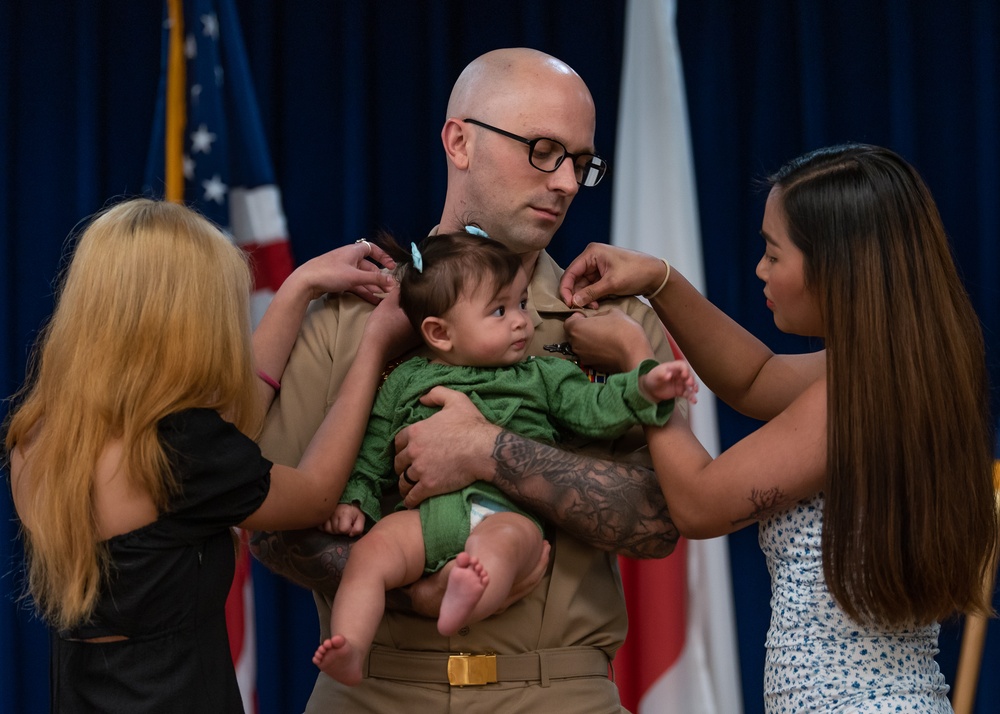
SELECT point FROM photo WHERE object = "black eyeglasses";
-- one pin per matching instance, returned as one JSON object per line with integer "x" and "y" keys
{"x": 548, "y": 154}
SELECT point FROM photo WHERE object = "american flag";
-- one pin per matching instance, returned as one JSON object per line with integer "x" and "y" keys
{"x": 208, "y": 151}
{"x": 208, "y": 145}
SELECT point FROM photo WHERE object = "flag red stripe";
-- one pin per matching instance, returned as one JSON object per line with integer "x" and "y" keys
{"x": 656, "y": 597}
{"x": 272, "y": 263}
{"x": 235, "y": 604}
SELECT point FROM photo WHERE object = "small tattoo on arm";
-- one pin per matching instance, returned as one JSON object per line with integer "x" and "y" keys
{"x": 765, "y": 504}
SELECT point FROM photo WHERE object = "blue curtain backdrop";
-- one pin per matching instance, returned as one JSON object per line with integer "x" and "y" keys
{"x": 352, "y": 96}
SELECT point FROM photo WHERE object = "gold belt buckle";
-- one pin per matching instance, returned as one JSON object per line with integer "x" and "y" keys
{"x": 471, "y": 670}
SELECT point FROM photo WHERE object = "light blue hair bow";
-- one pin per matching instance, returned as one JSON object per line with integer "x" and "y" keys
{"x": 476, "y": 231}
{"x": 418, "y": 259}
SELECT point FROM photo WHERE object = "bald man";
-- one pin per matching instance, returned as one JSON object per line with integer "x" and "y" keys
{"x": 519, "y": 141}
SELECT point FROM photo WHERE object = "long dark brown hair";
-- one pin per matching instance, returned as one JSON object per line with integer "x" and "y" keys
{"x": 910, "y": 526}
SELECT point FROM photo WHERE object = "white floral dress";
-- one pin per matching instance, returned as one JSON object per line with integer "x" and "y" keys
{"x": 818, "y": 659}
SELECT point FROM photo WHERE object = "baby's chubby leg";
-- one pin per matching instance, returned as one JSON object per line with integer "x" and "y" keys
{"x": 389, "y": 556}
{"x": 501, "y": 549}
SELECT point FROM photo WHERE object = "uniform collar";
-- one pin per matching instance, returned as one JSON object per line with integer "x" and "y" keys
{"x": 543, "y": 290}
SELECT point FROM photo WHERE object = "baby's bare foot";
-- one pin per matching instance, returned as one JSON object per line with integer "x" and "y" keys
{"x": 466, "y": 584}
{"x": 340, "y": 660}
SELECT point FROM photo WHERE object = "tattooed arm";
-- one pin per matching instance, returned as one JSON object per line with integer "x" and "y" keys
{"x": 618, "y": 507}
{"x": 311, "y": 558}
{"x": 611, "y": 505}
{"x": 315, "y": 560}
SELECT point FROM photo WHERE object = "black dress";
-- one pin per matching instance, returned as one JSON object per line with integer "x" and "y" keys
{"x": 168, "y": 586}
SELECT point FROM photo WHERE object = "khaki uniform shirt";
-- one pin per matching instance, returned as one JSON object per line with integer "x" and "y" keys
{"x": 579, "y": 601}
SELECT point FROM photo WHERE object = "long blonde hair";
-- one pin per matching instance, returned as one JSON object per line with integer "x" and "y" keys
{"x": 152, "y": 318}
{"x": 910, "y": 524}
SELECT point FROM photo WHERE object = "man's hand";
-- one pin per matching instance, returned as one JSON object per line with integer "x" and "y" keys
{"x": 445, "y": 452}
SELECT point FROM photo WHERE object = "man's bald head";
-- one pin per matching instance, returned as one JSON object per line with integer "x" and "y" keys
{"x": 502, "y": 78}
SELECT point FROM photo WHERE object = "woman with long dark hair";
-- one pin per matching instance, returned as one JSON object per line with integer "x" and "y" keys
{"x": 872, "y": 475}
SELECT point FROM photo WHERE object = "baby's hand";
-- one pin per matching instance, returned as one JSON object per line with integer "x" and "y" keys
{"x": 669, "y": 380}
{"x": 347, "y": 519}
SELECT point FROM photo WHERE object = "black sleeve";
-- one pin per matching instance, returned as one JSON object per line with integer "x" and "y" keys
{"x": 222, "y": 473}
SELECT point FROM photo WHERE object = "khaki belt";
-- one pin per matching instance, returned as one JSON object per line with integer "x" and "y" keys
{"x": 462, "y": 669}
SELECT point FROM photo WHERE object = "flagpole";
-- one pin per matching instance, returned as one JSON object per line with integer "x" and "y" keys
{"x": 176, "y": 111}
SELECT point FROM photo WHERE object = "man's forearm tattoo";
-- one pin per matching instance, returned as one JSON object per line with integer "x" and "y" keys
{"x": 765, "y": 504}
{"x": 611, "y": 505}
{"x": 311, "y": 558}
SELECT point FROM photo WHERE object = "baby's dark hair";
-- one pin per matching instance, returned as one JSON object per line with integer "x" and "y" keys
{"x": 453, "y": 264}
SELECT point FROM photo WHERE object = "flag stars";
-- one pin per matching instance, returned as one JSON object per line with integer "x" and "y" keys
{"x": 188, "y": 164}
{"x": 215, "y": 189}
{"x": 201, "y": 140}
{"x": 210, "y": 25}
{"x": 190, "y": 47}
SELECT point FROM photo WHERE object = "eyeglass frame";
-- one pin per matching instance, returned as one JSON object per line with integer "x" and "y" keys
{"x": 531, "y": 143}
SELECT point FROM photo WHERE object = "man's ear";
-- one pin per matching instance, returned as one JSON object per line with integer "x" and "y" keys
{"x": 436, "y": 334}
{"x": 456, "y": 145}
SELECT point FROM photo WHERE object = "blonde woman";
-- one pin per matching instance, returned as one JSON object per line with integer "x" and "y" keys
{"x": 871, "y": 476}
{"x": 130, "y": 457}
